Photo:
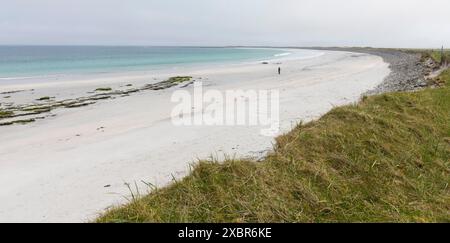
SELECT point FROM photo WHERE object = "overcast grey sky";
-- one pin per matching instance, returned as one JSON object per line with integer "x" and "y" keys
{"x": 386, "y": 23}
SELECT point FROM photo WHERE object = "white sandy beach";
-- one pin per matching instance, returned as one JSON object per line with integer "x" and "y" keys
{"x": 71, "y": 167}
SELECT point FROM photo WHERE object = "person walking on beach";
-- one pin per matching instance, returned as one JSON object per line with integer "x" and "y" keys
{"x": 279, "y": 70}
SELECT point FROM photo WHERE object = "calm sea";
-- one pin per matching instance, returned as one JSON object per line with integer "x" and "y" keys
{"x": 35, "y": 61}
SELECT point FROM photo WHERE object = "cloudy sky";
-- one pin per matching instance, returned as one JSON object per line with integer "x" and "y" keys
{"x": 381, "y": 23}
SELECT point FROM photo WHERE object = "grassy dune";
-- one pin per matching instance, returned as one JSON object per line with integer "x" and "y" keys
{"x": 436, "y": 55}
{"x": 384, "y": 159}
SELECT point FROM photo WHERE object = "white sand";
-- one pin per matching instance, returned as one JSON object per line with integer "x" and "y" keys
{"x": 49, "y": 174}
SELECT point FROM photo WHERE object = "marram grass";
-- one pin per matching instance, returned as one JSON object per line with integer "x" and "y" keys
{"x": 386, "y": 159}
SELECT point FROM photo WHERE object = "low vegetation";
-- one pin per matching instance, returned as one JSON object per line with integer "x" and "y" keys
{"x": 44, "y": 98}
{"x": 179, "y": 79}
{"x": 103, "y": 89}
{"x": 169, "y": 83}
{"x": 104, "y": 93}
{"x": 384, "y": 159}
{"x": 21, "y": 122}
{"x": 5, "y": 114}
{"x": 438, "y": 56}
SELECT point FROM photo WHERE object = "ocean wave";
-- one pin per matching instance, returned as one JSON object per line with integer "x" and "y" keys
{"x": 283, "y": 54}
{"x": 28, "y": 77}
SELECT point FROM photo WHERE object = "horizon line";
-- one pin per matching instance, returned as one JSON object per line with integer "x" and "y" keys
{"x": 211, "y": 46}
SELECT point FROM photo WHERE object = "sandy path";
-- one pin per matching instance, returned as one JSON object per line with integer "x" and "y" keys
{"x": 56, "y": 169}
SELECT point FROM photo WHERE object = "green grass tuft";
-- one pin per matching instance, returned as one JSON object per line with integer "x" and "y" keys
{"x": 386, "y": 159}
{"x": 436, "y": 55}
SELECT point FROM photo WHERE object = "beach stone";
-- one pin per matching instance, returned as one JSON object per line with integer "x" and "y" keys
{"x": 408, "y": 71}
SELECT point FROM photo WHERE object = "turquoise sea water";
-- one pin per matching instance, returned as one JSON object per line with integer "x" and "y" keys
{"x": 32, "y": 61}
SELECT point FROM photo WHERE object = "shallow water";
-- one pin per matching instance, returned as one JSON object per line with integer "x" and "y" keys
{"x": 19, "y": 62}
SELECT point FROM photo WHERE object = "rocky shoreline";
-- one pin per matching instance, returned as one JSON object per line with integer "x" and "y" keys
{"x": 11, "y": 114}
{"x": 409, "y": 70}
